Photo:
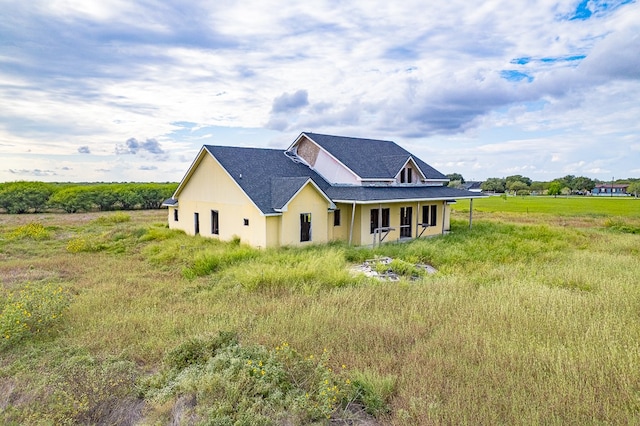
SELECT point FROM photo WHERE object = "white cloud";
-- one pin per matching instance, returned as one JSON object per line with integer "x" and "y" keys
{"x": 82, "y": 77}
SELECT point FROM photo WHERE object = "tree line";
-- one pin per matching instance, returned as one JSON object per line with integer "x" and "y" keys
{"x": 34, "y": 197}
{"x": 567, "y": 185}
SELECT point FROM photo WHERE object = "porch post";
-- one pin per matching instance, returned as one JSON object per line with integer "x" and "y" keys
{"x": 417, "y": 219}
{"x": 470, "y": 212}
{"x": 353, "y": 215}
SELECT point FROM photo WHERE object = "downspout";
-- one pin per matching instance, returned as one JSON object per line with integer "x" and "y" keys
{"x": 353, "y": 216}
{"x": 444, "y": 212}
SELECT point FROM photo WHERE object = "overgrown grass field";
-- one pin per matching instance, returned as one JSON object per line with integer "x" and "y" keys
{"x": 533, "y": 316}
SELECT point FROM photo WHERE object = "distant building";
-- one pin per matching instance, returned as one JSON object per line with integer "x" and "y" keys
{"x": 611, "y": 190}
{"x": 472, "y": 186}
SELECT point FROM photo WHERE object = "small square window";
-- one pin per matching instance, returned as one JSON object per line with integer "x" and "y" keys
{"x": 246, "y": 222}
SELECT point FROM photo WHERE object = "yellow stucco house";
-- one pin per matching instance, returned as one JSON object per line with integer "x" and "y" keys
{"x": 322, "y": 188}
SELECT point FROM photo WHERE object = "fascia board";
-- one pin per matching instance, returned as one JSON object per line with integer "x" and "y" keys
{"x": 406, "y": 200}
{"x": 189, "y": 172}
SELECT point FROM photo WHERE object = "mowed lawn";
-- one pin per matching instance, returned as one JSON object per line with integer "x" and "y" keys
{"x": 533, "y": 317}
{"x": 561, "y": 205}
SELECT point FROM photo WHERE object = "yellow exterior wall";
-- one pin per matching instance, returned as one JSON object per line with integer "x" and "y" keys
{"x": 362, "y": 235}
{"x": 340, "y": 233}
{"x": 211, "y": 188}
{"x": 308, "y": 200}
{"x": 273, "y": 231}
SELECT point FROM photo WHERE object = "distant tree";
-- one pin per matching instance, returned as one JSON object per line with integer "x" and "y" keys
{"x": 127, "y": 198}
{"x": 517, "y": 178}
{"x": 455, "y": 184}
{"x": 23, "y": 197}
{"x": 517, "y": 186}
{"x": 73, "y": 199}
{"x": 538, "y": 186}
{"x": 555, "y": 188}
{"x": 567, "y": 181}
{"x": 566, "y": 191}
{"x": 493, "y": 185}
{"x": 582, "y": 184}
{"x": 455, "y": 176}
{"x": 634, "y": 188}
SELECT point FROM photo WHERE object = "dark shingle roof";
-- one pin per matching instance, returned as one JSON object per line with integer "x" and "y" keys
{"x": 270, "y": 178}
{"x": 371, "y": 158}
{"x": 267, "y": 176}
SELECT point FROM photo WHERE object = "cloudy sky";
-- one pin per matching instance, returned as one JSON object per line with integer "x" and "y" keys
{"x": 129, "y": 90}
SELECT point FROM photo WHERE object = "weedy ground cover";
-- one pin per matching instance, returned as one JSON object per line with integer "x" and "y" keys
{"x": 529, "y": 319}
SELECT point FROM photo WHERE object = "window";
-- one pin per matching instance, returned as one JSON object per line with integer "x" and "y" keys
{"x": 406, "y": 175}
{"x": 430, "y": 215}
{"x": 175, "y": 215}
{"x": 215, "y": 229}
{"x": 196, "y": 223}
{"x": 305, "y": 227}
{"x": 246, "y": 222}
{"x": 336, "y": 218}
{"x": 406, "y": 213}
{"x": 375, "y": 222}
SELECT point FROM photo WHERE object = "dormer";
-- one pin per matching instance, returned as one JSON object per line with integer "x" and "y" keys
{"x": 410, "y": 174}
{"x": 364, "y": 162}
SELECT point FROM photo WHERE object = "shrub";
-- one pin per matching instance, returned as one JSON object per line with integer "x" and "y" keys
{"x": 235, "y": 384}
{"x": 30, "y": 310}
{"x": 33, "y": 230}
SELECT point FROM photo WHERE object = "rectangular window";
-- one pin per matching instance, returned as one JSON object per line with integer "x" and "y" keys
{"x": 406, "y": 175}
{"x": 430, "y": 215}
{"x": 246, "y": 222}
{"x": 336, "y": 218}
{"x": 305, "y": 227}
{"x": 196, "y": 223}
{"x": 175, "y": 215}
{"x": 214, "y": 222}
{"x": 375, "y": 222}
{"x": 406, "y": 214}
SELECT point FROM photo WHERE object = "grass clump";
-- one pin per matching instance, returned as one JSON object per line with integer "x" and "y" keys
{"x": 374, "y": 390}
{"x": 236, "y": 384}
{"x": 619, "y": 225}
{"x": 119, "y": 217}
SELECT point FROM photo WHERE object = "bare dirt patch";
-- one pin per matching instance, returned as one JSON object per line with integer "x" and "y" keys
{"x": 382, "y": 268}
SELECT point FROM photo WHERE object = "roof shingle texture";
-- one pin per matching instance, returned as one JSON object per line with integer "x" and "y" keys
{"x": 371, "y": 158}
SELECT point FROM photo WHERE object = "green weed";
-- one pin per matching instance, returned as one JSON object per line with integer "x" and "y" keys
{"x": 34, "y": 231}
{"x": 237, "y": 384}
{"x": 31, "y": 310}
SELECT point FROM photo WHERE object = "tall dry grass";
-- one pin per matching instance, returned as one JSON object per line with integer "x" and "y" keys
{"x": 522, "y": 323}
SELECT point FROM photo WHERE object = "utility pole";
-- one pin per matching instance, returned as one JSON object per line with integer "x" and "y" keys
{"x": 612, "y": 179}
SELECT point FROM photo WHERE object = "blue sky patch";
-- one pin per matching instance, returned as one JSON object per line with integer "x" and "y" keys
{"x": 514, "y": 75}
{"x": 587, "y": 8}
{"x": 521, "y": 61}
